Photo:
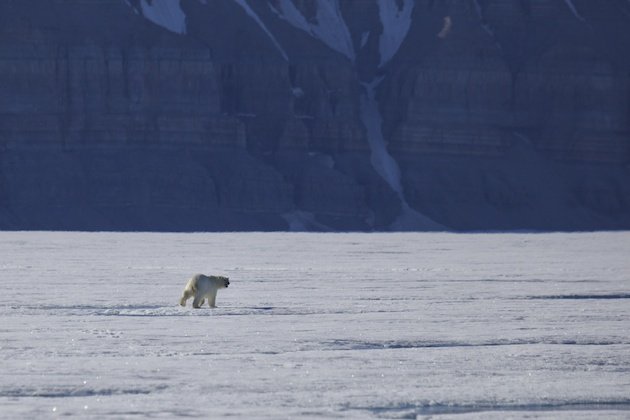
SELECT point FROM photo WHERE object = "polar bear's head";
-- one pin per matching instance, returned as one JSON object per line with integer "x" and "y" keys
{"x": 225, "y": 280}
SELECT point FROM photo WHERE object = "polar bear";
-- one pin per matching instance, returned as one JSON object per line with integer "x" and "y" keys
{"x": 202, "y": 287}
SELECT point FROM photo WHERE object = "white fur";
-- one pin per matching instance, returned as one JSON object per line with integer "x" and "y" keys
{"x": 203, "y": 287}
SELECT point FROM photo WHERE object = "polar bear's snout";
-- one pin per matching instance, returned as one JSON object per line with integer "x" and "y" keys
{"x": 227, "y": 282}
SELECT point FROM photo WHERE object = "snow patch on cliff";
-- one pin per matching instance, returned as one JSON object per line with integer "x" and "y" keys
{"x": 396, "y": 22}
{"x": 167, "y": 14}
{"x": 574, "y": 10}
{"x": 385, "y": 165}
{"x": 304, "y": 221}
{"x": 382, "y": 161}
{"x": 482, "y": 19}
{"x": 329, "y": 26}
{"x": 254, "y": 15}
{"x": 364, "y": 38}
{"x": 411, "y": 220}
{"x": 484, "y": 24}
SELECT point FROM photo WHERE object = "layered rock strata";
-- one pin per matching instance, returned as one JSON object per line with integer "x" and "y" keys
{"x": 247, "y": 115}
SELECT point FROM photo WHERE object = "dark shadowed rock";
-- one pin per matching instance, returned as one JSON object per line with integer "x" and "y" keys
{"x": 251, "y": 114}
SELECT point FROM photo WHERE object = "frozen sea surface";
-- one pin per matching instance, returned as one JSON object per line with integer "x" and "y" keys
{"x": 316, "y": 325}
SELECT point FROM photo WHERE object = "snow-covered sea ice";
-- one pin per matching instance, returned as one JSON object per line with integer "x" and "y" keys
{"x": 316, "y": 325}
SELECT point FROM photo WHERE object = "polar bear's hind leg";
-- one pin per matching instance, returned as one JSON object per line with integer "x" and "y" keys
{"x": 189, "y": 290}
{"x": 185, "y": 296}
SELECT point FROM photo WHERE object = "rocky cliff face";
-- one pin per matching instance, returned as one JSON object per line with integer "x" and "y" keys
{"x": 314, "y": 114}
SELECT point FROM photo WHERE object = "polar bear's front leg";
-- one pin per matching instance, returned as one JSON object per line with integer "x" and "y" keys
{"x": 197, "y": 301}
{"x": 212, "y": 300}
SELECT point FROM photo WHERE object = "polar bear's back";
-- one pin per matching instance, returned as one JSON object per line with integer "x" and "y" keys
{"x": 197, "y": 277}
{"x": 201, "y": 281}
{"x": 193, "y": 283}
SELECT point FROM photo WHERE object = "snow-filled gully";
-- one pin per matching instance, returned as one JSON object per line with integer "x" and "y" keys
{"x": 396, "y": 23}
{"x": 251, "y": 13}
{"x": 167, "y": 14}
{"x": 574, "y": 10}
{"x": 330, "y": 28}
{"x": 384, "y": 164}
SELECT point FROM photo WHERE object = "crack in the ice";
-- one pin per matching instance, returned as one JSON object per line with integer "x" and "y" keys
{"x": 80, "y": 392}
{"x": 432, "y": 408}
{"x": 396, "y": 345}
{"x": 582, "y": 296}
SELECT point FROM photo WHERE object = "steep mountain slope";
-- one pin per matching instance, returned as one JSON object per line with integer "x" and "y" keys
{"x": 314, "y": 114}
